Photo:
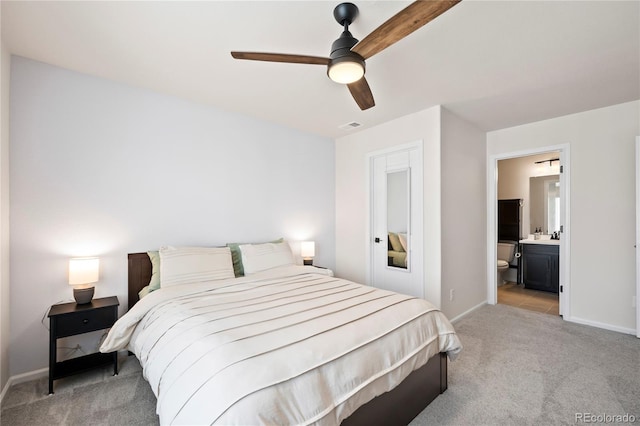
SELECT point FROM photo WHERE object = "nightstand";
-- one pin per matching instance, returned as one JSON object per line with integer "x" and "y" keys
{"x": 71, "y": 319}
{"x": 323, "y": 270}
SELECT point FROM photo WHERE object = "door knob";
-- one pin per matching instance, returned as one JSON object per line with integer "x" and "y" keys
{"x": 377, "y": 240}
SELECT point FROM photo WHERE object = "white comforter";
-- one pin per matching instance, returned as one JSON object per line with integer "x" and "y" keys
{"x": 283, "y": 347}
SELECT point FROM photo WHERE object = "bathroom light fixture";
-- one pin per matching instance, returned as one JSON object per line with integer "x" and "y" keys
{"x": 83, "y": 271}
{"x": 308, "y": 251}
{"x": 551, "y": 160}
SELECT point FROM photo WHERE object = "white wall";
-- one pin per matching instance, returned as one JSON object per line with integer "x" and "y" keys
{"x": 464, "y": 217}
{"x": 101, "y": 168}
{"x": 5, "y": 64}
{"x": 454, "y": 204}
{"x": 352, "y": 198}
{"x": 602, "y": 210}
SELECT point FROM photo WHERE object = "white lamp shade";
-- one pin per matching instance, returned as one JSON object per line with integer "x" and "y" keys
{"x": 308, "y": 249}
{"x": 83, "y": 270}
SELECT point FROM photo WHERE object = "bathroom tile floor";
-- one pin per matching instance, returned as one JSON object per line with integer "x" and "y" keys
{"x": 533, "y": 300}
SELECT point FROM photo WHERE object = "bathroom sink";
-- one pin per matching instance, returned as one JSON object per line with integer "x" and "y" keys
{"x": 548, "y": 241}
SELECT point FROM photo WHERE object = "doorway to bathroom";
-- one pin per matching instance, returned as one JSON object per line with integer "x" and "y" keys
{"x": 536, "y": 277}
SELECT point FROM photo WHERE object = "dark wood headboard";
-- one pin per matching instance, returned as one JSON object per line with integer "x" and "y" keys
{"x": 139, "y": 275}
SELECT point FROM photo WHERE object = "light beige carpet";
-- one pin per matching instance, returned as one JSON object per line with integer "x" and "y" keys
{"x": 518, "y": 367}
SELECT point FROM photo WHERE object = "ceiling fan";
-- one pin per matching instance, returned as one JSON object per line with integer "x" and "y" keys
{"x": 346, "y": 63}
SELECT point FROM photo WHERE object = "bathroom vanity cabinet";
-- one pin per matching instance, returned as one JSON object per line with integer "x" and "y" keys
{"x": 541, "y": 266}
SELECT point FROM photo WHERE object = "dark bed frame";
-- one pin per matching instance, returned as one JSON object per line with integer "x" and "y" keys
{"x": 397, "y": 407}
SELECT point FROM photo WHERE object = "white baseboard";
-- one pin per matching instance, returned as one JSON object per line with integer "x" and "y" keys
{"x": 467, "y": 312}
{"x": 602, "y": 325}
{"x": 24, "y": 377}
{"x": 36, "y": 374}
{"x": 4, "y": 390}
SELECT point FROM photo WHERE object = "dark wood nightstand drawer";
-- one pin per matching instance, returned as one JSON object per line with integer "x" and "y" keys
{"x": 84, "y": 322}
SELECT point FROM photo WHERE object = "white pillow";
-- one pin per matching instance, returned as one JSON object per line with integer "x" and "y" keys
{"x": 185, "y": 265}
{"x": 260, "y": 257}
{"x": 402, "y": 236}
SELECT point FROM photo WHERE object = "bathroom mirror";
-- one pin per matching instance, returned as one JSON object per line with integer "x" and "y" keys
{"x": 398, "y": 219}
{"x": 544, "y": 203}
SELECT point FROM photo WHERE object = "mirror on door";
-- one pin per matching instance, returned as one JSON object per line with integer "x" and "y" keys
{"x": 398, "y": 220}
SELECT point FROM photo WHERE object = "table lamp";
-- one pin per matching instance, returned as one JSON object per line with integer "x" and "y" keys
{"x": 82, "y": 273}
{"x": 308, "y": 251}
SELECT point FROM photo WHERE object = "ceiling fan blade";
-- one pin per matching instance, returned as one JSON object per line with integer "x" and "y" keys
{"x": 401, "y": 25}
{"x": 362, "y": 93}
{"x": 281, "y": 57}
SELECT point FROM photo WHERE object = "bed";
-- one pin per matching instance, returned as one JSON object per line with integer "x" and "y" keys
{"x": 262, "y": 386}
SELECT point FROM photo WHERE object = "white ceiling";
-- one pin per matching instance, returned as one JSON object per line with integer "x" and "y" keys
{"x": 495, "y": 63}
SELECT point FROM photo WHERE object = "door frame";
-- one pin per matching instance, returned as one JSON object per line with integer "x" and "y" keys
{"x": 417, "y": 145}
{"x": 492, "y": 222}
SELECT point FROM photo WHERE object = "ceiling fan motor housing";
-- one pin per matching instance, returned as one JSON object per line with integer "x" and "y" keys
{"x": 341, "y": 51}
{"x": 343, "y": 44}
{"x": 345, "y": 14}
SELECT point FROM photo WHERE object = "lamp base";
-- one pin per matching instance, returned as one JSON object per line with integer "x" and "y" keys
{"x": 308, "y": 262}
{"x": 83, "y": 295}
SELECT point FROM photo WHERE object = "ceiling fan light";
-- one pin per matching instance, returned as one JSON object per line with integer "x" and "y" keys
{"x": 346, "y": 72}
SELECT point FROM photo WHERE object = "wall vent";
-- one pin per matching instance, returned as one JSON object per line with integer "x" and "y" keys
{"x": 350, "y": 126}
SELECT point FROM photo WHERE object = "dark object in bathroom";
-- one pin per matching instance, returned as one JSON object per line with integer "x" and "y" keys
{"x": 509, "y": 227}
{"x": 509, "y": 216}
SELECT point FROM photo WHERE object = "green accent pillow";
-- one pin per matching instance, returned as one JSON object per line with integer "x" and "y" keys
{"x": 236, "y": 256}
{"x": 145, "y": 290}
{"x": 154, "y": 283}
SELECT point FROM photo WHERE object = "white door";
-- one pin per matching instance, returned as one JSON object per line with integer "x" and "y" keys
{"x": 638, "y": 236}
{"x": 563, "y": 291}
{"x": 396, "y": 221}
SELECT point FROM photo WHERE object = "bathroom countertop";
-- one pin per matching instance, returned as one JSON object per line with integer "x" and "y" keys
{"x": 546, "y": 242}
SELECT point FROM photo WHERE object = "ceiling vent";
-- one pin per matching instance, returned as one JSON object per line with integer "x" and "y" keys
{"x": 350, "y": 126}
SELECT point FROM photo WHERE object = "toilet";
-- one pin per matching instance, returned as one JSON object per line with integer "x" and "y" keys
{"x": 506, "y": 251}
